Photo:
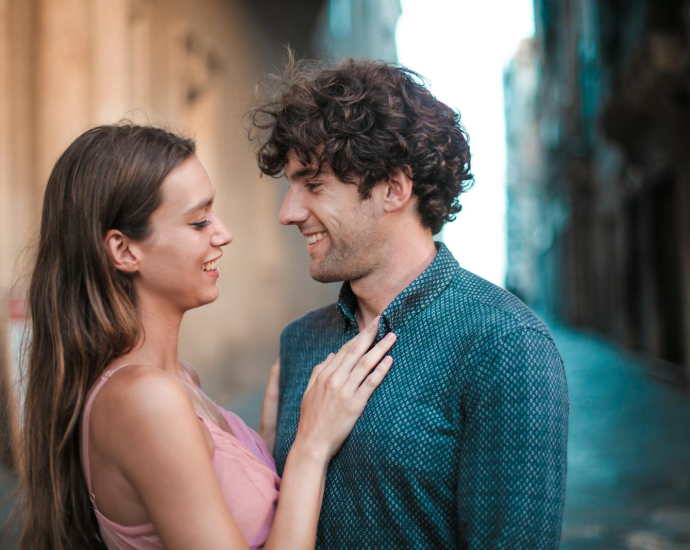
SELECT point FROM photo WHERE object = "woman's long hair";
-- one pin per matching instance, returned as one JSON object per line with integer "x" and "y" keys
{"x": 82, "y": 313}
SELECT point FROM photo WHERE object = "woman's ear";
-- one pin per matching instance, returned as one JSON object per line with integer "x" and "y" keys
{"x": 397, "y": 190}
{"x": 121, "y": 252}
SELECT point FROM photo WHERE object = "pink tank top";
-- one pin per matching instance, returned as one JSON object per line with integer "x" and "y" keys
{"x": 245, "y": 469}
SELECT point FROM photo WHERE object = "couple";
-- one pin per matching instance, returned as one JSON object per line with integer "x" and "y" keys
{"x": 426, "y": 409}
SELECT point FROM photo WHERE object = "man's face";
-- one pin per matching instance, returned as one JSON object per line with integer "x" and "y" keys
{"x": 342, "y": 231}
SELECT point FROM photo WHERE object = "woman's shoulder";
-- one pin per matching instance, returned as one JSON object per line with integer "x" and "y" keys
{"x": 136, "y": 403}
{"x": 139, "y": 386}
{"x": 191, "y": 371}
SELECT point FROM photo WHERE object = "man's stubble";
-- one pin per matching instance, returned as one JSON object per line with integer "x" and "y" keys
{"x": 354, "y": 252}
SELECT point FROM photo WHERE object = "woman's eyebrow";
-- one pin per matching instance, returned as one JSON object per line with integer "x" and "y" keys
{"x": 203, "y": 204}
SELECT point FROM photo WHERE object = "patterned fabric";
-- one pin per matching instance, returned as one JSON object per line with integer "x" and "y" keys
{"x": 464, "y": 443}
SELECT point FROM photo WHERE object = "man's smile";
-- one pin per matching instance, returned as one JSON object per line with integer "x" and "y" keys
{"x": 315, "y": 237}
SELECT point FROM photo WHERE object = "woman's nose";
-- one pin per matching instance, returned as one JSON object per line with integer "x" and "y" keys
{"x": 222, "y": 235}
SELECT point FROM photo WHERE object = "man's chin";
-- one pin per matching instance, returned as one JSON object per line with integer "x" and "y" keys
{"x": 323, "y": 277}
{"x": 318, "y": 273}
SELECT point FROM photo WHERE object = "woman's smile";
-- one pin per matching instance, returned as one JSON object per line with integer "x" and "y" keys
{"x": 211, "y": 269}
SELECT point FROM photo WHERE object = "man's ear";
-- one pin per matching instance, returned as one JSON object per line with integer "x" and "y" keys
{"x": 121, "y": 252}
{"x": 397, "y": 190}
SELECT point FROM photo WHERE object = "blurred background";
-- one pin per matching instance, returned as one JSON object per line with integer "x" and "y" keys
{"x": 578, "y": 113}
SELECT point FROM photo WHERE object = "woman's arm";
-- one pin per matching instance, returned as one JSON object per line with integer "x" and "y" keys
{"x": 156, "y": 440}
{"x": 149, "y": 430}
{"x": 337, "y": 392}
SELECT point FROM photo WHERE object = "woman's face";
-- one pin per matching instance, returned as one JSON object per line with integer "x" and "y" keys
{"x": 177, "y": 262}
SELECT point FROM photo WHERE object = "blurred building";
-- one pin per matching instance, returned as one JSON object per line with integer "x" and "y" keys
{"x": 192, "y": 66}
{"x": 525, "y": 238}
{"x": 357, "y": 28}
{"x": 597, "y": 108}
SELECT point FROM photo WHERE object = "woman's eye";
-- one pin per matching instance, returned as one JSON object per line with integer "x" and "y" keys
{"x": 201, "y": 224}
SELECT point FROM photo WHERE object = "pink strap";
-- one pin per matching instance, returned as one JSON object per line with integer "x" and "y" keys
{"x": 85, "y": 428}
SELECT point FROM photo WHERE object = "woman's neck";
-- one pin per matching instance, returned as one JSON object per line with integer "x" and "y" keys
{"x": 158, "y": 343}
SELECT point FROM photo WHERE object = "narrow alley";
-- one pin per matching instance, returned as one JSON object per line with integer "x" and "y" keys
{"x": 628, "y": 452}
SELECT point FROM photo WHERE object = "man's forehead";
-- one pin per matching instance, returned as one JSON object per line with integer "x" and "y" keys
{"x": 297, "y": 167}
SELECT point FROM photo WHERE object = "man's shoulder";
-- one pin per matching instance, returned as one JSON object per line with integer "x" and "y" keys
{"x": 507, "y": 343}
{"x": 489, "y": 310}
{"x": 320, "y": 320}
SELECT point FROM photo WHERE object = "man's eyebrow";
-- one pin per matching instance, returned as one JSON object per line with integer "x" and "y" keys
{"x": 302, "y": 172}
{"x": 202, "y": 204}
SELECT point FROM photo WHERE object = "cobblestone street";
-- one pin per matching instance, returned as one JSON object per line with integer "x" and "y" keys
{"x": 629, "y": 451}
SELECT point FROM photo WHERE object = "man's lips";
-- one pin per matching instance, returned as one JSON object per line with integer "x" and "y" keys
{"x": 313, "y": 238}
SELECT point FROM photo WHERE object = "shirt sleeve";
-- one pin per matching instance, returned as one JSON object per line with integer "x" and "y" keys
{"x": 511, "y": 476}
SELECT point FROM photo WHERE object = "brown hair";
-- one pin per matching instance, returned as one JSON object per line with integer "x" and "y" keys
{"x": 82, "y": 313}
{"x": 366, "y": 119}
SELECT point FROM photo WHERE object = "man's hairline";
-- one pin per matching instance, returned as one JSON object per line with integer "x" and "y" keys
{"x": 318, "y": 170}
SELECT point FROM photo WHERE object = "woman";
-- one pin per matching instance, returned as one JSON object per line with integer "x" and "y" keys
{"x": 122, "y": 449}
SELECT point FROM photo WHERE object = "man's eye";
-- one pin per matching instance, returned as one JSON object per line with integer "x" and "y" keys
{"x": 312, "y": 186}
{"x": 201, "y": 224}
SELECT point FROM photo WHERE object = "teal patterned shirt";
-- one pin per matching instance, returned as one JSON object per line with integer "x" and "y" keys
{"x": 464, "y": 443}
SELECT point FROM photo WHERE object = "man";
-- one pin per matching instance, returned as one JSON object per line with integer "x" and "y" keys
{"x": 464, "y": 443}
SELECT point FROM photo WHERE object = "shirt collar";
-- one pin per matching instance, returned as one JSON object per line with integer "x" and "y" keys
{"x": 415, "y": 298}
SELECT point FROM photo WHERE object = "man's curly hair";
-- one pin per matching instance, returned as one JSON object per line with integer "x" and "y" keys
{"x": 366, "y": 119}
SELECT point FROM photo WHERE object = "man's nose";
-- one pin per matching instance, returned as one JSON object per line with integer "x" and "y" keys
{"x": 293, "y": 210}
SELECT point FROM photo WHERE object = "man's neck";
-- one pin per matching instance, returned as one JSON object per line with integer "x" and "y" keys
{"x": 405, "y": 262}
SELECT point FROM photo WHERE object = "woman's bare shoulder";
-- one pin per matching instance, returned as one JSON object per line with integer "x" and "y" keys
{"x": 139, "y": 404}
{"x": 140, "y": 388}
{"x": 191, "y": 371}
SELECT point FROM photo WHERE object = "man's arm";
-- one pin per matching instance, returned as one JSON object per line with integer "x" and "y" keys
{"x": 511, "y": 483}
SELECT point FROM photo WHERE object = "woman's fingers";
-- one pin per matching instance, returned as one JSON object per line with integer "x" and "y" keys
{"x": 369, "y": 362}
{"x": 319, "y": 368}
{"x": 271, "y": 393}
{"x": 351, "y": 352}
{"x": 269, "y": 407}
{"x": 372, "y": 382}
{"x": 339, "y": 388}
{"x": 273, "y": 376}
